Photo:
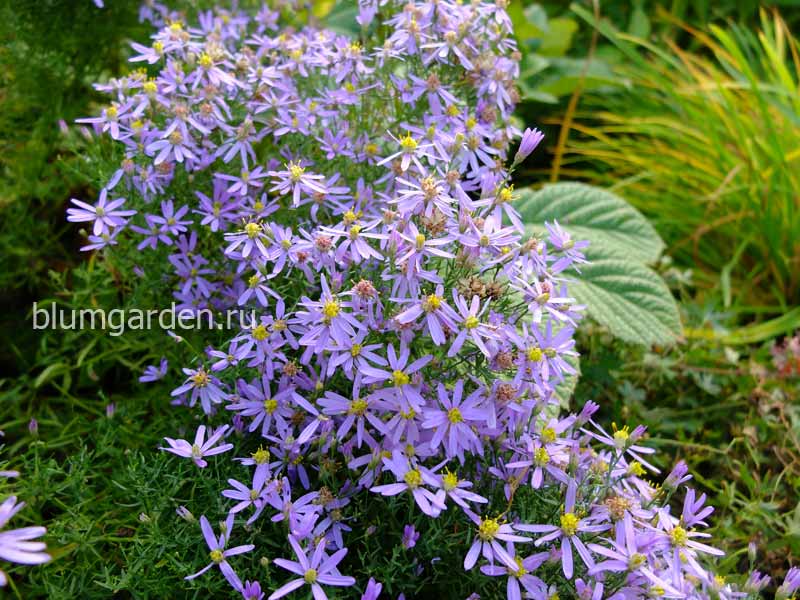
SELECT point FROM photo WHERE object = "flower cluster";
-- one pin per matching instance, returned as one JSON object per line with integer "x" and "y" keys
{"x": 413, "y": 335}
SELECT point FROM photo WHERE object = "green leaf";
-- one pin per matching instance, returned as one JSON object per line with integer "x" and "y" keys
{"x": 558, "y": 37}
{"x": 627, "y": 297}
{"x": 342, "y": 18}
{"x": 529, "y": 22}
{"x": 594, "y": 214}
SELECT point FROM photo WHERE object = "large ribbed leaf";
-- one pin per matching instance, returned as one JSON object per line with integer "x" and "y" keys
{"x": 594, "y": 214}
{"x": 627, "y": 297}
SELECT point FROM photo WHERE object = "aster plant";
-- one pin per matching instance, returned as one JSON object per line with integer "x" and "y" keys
{"x": 355, "y": 192}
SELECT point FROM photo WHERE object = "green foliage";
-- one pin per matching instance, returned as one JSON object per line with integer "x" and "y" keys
{"x": 548, "y": 72}
{"x": 707, "y": 148}
{"x": 618, "y": 289}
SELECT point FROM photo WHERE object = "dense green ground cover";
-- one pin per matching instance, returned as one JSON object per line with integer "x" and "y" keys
{"x": 92, "y": 473}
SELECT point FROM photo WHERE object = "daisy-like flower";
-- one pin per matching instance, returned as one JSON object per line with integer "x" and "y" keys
{"x": 624, "y": 440}
{"x": 219, "y": 554}
{"x": 105, "y": 215}
{"x": 520, "y": 578}
{"x": 295, "y": 180}
{"x": 201, "y": 447}
{"x": 438, "y": 314}
{"x": 203, "y": 386}
{"x": 153, "y": 373}
{"x": 313, "y": 571}
{"x": 471, "y": 326}
{"x": 453, "y": 423}
{"x": 567, "y": 531}
{"x": 19, "y": 545}
{"x": 491, "y": 532}
{"x": 400, "y": 376}
{"x": 410, "y": 152}
{"x": 177, "y": 145}
{"x": 411, "y": 479}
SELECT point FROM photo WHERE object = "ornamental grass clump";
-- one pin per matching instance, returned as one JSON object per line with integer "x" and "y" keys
{"x": 401, "y": 379}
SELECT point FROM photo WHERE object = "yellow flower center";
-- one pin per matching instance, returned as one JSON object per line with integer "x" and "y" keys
{"x": 408, "y": 144}
{"x": 636, "y": 468}
{"x": 636, "y": 560}
{"x": 535, "y": 354}
{"x": 216, "y": 556}
{"x": 541, "y": 457}
{"x": 253, "y": 281}
{"x": 413, "y": 478}
{"x": 260, "y": 333}
{"x": 261, "y": 456}
{"x": 450, "y": 481}
{"x": 507, "y": 194}
{"x": 520, "y": 570}
{"x": 205, "y": 61}
{"x": 295, "y": 172}
{"x": 270, "y": 405}
{"x": 679, "y": 536}
{"x": 200, "y": 379}
{"x": 355, "y": 350}
{"x": 548, "y": 435}
{"x": 252, "y": 230}
{"x": 488, "y": 529}
{"x": 432, "y": 303}
{"x": 358, "y": 407}
{"x": 420, "y": 241}
{"x": 454, "y": 416}
{"x": 330, "y": 309}
{"x": 400, "y": 378}
{"x": 471, "y": 322}
{"x": 310, "y": 576}
{"x": 569, "y": 524}
{"x": 354, "y": 231}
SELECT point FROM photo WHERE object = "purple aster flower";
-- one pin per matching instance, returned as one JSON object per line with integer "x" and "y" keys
{"x": 170, "y": 222}
{"x": 358, "y": 412}
{"x": 491, "y": 532}
{"x": 791, "y": 583}
{"x": 219, "y": 554}
{"x": 250, "y": 237}
{"x": 203, "y": 386}
{"x": 400, "y": 376}
{"x": 563, "y": 242}
{"x": 410, "y": 152}
{"x": 373, "y": 590}
{"x": 106, "y": 214}
{"x": 201, "y": 447}
{"x": 453, "y": 423}
{"x": 567, "y": 532}
{"x": 411, "y": 479}
{"x": 153, "y": 373}
{"x": 315, "y": 570}
{"x": 18, "y": 545}
{"x": 410, "y": 537}
{"x": 438, "y": 314}
{"x": 471, "y": 326}
{"x": 295, "y": 180}
{"x": 177, "y": 145}
{"x": 520, "y": 578}
{"x": 252, "y": 591}
{"x": 249, "y": 496}
{"x": 530, "y": 139}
